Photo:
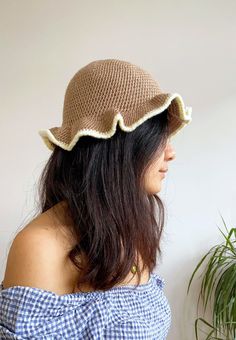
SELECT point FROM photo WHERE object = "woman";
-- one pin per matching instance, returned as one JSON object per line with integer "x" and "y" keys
{"x": 83, "y": 268}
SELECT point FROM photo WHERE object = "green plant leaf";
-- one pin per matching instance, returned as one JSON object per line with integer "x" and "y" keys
{"x": 209, "y": 325}
{"x": 219, "y": 283}
{"x": 228, "y": 241}
{"x": 197, "y": 267}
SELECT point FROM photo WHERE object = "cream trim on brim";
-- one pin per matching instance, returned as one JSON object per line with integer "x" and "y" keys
{"x": 185, "y": 115}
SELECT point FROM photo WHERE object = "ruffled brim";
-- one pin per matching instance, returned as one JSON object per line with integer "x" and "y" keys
{"x": 67, "y": 136}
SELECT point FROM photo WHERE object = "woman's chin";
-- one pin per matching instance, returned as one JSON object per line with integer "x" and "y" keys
{"x": 154, "y": 189}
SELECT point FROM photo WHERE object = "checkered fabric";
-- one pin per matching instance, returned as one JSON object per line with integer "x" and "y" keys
{"x": 122, "y": 312}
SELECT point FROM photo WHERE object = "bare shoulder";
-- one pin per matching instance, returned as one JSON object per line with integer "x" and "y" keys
{"x": 38, "y": 258}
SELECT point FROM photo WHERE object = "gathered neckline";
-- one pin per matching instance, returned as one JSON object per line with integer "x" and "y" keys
{"x": 117, "y": 289}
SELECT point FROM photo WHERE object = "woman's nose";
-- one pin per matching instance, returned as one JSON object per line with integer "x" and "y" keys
{"x": 170, "y": 152}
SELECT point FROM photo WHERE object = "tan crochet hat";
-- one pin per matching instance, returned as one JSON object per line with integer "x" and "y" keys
{"x": 108, "y": 92}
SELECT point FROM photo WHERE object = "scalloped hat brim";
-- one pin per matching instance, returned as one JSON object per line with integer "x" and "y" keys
{"x": 67, "y": 136}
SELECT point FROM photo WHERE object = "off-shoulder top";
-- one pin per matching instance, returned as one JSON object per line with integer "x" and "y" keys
{"x": 122, "y": 312}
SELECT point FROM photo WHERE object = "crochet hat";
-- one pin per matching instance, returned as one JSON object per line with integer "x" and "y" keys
{"x": 108, "y": 92}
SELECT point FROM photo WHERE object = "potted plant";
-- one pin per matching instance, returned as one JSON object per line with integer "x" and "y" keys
{"x": 219, "y": 283}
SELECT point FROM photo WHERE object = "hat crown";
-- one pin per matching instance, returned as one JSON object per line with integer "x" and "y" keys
{"x": 107, "y": 85}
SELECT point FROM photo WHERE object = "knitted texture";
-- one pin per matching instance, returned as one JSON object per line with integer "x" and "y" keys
{"x": 105, "y": 92}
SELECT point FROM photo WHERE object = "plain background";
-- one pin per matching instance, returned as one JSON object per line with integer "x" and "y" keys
{"x": 189, "y": 47}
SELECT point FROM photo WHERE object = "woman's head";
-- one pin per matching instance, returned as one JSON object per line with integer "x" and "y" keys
{"x": 109, "y": 186}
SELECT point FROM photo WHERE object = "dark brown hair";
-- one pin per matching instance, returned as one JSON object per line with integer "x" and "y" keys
{"x": 102, "y": 183}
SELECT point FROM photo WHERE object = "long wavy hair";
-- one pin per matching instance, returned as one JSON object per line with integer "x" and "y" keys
{"x": 114, "y": 220}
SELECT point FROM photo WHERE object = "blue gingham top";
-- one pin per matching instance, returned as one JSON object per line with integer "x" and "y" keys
{"x": 122, "y": 312}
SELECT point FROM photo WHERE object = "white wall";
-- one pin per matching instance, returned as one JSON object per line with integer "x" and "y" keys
{"x": 189, "y": 47}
